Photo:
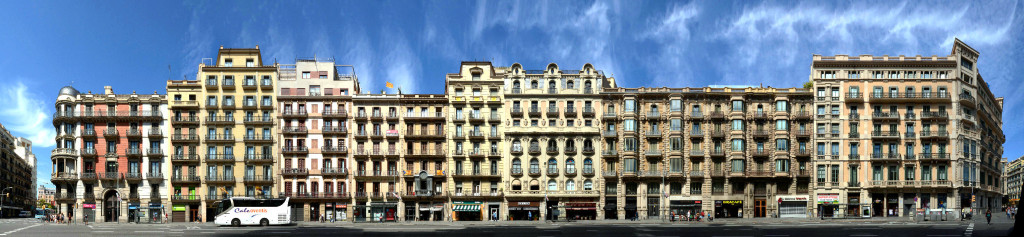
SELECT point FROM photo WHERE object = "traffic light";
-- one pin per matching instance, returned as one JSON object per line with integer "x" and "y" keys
{"x": 972, "y": 198}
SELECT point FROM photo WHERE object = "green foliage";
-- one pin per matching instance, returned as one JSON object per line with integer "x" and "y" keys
{"x": 808, "y": 85}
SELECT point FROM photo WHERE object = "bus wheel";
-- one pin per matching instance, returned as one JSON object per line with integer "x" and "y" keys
{"x": 264, "y": 222}
{"x": 236, "y": 223}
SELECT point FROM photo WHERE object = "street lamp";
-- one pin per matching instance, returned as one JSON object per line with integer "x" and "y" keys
{"x": 2, "y": 196}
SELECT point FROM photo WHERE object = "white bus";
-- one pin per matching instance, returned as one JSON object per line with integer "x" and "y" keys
{"x": 238, "y": 211}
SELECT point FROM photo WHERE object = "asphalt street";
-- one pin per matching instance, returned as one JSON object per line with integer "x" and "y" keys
{"x": 30, "y": 227}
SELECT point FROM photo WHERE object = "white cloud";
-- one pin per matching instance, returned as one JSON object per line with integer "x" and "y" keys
{"x": 25, "y": 115}
{"x": 401, "y": 65}
{"x": 672, "y": 34}
{"x": 198, "y": 41}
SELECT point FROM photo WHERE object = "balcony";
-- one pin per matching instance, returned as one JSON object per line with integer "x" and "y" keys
{"x": 588, "y": 111}
{"x": 760, "y": 173}
{"x": 652, "y": 134}
{"x": 802, "y": 115}
{"x": 760, "y": 153}
{"x": 110, "y": 133}
{"x": 476, "y": 135}
{"x": 182, "y": 179}
{"x": 534, "y": 150}
{"x": 651, "y": 173}
{"x": 294, "y": 113}
{"x": 220, "y": 120}
{"x": 610, "y": 153}
{"x": 885, "y": 116}
{"x": 424, "y": 134}
{"x": 258, "y": 179}
{"x": 69, "y": 177}
{"x": 294, "y": 130}
{"x": 695, "y": 115}
{"x": 717, "y": 153}
{"x": 210, "y": 158}
{"x": 259, "y": 158}
{"x": 334, "y": 149}
{"x": 154, "y": 177}
{"x": 210, "y": 179}
{"x": 185, "y": 120}
{"x": 934, "y": 156}
{"x": 854, "y": 96}
{"x": 803, "y": 173}
{"x": 934, "y": 135}
{"x": 220, "y": 138}
{"x": 588, "y": 171}
{"x": 934, "y": 116}
{"x": 295, "y": 172}
{"x": 155, "y": 133}
{"x": 552, "y": 112}
{"x": 334, "y": 114}
{"x": 258, "y": 120}
{"x": 88, "y": 152}
{"x": 534, "y": 112}
{"x": 517, "y": 171}
{"x": 89, "y": 176}
{"x": 717, "y": 115}
{"x": 718, "y": 134}
{"x": 885, "y": 156}
{"x": 653, "y": 115}
{"x": 802, "y": 133}
{"x": 184, "y": 138}
{"x": 570, "y": 112}
{"x": 516, "y": 111}
{"x": 653, "y": 153}
{"x": 133, "y": 152}
{"x": 588, "y": 151}
{"x": 133, "y": 133}
{"x": 294, "y": 149}
{"x": 761, "y": 133}
{"x": 696, "y": 173}
{"x": 610, "y": 174}
{"x": 476, "y": 118}
{"x": 758, "y": 115}
{"x": 332, "y": 171}
{"x": 258, "y": 139}
{"x": 534, "y": 171}
{"x": 609, "y": 116}
{"x": 698, "y": 153}
{"x": 184, "y": 104}
{"x": 609, "y": 133}
{"x": 885, "y": 135}
{"x": 249, "y": 104}
{"x": 552, "y": 150}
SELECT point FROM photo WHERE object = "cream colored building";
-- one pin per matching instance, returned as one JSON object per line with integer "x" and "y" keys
{"x": 233, "y": 97}
{"x": 553, "y": 134}
{"x": 903, "y": 133}
{"x": 1012, "y": 174}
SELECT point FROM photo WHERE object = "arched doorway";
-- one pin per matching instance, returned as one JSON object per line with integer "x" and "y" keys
{"x": 111, "y": 206}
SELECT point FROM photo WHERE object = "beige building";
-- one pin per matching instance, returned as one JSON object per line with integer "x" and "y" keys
{"x": 17, "y": 182}
{"x": 109, "y": 161}
{"x": 475, "y": 142}
{"x": 727, "y": 151}
{"x": 1012, "y": 174}
{"x": 314, "y": 101}
{"x": 553, "y": 132}
{"x": 895, "y": 134}
{"x": 233, "y": 97}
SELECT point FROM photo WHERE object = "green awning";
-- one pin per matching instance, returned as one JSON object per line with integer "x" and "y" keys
{"x": 467, "y": 208}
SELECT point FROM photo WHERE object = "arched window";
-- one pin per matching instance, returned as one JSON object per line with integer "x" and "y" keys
{"x": 654, "y": 108}
{"x": 517, "y": 165}
{"x": 570, "y": 165}
{"x": 569, "y": 85}
{"x": 516, "y": 146}
{"x": 552, "y": 185}
{"x": 586, "y": 84}
{"x": 534, "y": 84}
{"x": 534, "y": 166}
{"x": 588, "y": 185}
{"x": 570, "y": 144}
{"x": 517, "y": 185}
{"x": 552, "y": 146}
{"x": 534, "y": 185}
{"x": 515, "y": 84}
{"x": 570, "y": 185}
{"x": 588, "y": 145}
{"x": 534, "y": 145}
{"x": 552, "y": 165}
{"x": 552, "y": 84}
{"x": 611, "y": 109}
{"x": 588, "y": 165}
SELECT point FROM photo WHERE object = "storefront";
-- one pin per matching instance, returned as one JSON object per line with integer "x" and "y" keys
{"x": 133, "y": 213}
{"x": 828, "y": 205}
{"x": 853, "y": 208}
{"x": 892, "y": 204}
{"x": 154, "y": 213}
{"x": 877, "y": 204}
{"x": 611, "y": 208}
{"x": 529, "y": 211}
{"x": 334, "y": 211}
{"x": 384, "y": 211}
{"x": 729, "y": 209}
{"x": 684, "y": 209}
{"x": 314, "y": 211}
{"x": 581, "y": 210}
{"x": 909, "y": 202}
{"x": 793, "y": 206}
{"x": 493, "y": 211}
{"x": 467, "y": 211}
{"x": 431, "y": 211}
{"x": 630, "y": 208}
{"x": 89, "y": 210}
{"x": 298, "y": 212}
{"x": 179, "y": 213}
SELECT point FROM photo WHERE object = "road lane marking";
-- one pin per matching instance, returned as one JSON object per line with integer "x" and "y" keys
{"x": 148, "y": 231}
{"x": 863, "y": 235}
{"x": 20, "y": 229}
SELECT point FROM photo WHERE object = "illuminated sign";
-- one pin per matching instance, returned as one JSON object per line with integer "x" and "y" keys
{"x": 247, "y": 210}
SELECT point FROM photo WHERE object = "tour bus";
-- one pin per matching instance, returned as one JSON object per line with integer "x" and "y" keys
{"x": 238, "y": 211}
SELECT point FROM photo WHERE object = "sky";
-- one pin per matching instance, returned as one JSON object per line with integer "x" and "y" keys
{"x": 135, "y": 46}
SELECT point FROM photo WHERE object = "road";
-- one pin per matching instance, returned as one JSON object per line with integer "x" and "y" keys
{"x": 29, "y": 227}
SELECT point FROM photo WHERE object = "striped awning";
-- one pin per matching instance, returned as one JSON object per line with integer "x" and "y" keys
{"x": 472, "y": 208}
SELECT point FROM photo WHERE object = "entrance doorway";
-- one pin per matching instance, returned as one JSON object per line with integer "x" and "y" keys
{"x": 111, "y": 206}
{"x": 759, "y": 208}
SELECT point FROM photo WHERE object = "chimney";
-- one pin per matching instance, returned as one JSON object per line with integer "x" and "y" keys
{"x": 107, "y": 90}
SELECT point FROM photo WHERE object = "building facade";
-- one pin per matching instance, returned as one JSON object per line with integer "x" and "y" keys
{"x": 45, "y": 195}
{"x": 905, "y": 133}
{"x": 223, "y": 133}
{"x": 17, "y": 182}
{"x": 315, "y": 97}
{"x": 1012, "y": 174}
{"x": 109, "y": 161}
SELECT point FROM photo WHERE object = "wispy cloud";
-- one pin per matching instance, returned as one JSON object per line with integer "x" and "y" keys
{"x": 198, "y": 42}
{"x": 25, "y": 115}
{"x": 401, "y": 65}
{"x": 671, "y": 33}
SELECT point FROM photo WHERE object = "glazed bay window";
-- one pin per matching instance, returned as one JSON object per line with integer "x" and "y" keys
{"x": 781, "y": 144}
{"x": 676, "y": 165}
{"x": 737, "y": 106}
{"x": 738, "y": 166}
{"x": 676, "y": 143}
{"x": 781, "y": 125}
{"x": 737, "y": 125}
{"x": 737, "y": 145}
{"x": 629, "y": 144}
{"x": 782, "y": 106}
{"x": 629, "y": 125}
{"x": 676, "y": 125}
{"x": 676, "y": 105}
{"x": 629, "y": 165}
{"x": 629, "y": 106}
{"x": 782, "y": 165}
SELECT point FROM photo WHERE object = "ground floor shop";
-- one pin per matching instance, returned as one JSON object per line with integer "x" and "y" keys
{"x": 185, "y": 212}
{"x": 580, "y": 210}
{"x": 684, "y": 209}
{"x": 793, "y": 206}
{"x": 375, "y": 212}
{"x": 468, "y": 211}
{"x": 426, "y": 211}
{"x": 729, "y": 209}
{"x": 523, "y": 210}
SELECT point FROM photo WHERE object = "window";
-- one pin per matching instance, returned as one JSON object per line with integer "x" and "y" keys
{"x": 250, "y": 63}
{"x": 737, "y": 144}
{"x": 322, "y": 74}
{"x": 781, "y": 106}
{"x": 737, "y": 125}
{"x": 630, "y": 105}
{"x": 305, "y": 75}
{"x": 781, "y": 144}
{"x": 737, "y": 106}
{"x": 588, "y": 185}
{"x": 228, "y": 62}
{"x": 676, "y": 124}
{"x": 941, "y": 172}
{"x": 552, "y": 185}
{"x": 853, "y": 75}
{"x": 782, "y": 165}
{"x": 821, "y": 174}
{"x": 676, "y": 105}
{"x": 629, "y": 125}
{"x": 781, "y": 125}
{"x": 737, "y": 166}
{"x": 676, "y": 165}
{"x": 909, "y": 173}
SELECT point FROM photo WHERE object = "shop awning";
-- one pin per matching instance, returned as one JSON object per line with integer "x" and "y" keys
{"x": 467, "y": 208}
{"x": 586, "y": 206}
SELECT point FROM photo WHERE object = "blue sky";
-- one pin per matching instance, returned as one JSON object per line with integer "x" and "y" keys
{"x": 130, "y": 45}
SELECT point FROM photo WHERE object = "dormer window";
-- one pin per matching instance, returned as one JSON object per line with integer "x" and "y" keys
{"x": 476, "y": 76}
{"x": 250, "y": 63}
{"x": 228, "y": 63}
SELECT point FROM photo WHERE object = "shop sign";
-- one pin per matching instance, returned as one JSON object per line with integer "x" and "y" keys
{"x": 341, "y": 206}
{"x": 468, "y": 202}
{"x": 133, "y": 207}
{"x": 524, "y": 204}
{"x": 89, "y": 206}
{"x": 733, "y": 202}
{"x": 792, "y": 199}
{"x": 178, "y": 208}
{"x": 828, "y": 198}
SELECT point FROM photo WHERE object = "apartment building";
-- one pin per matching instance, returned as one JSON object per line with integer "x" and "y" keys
{"x": 905, "y": 133}
{"x": 17, "y": 181}
{"x": 314, "y": 101}
{"x": 727, "y": 151}
{"x": 423, "y": 130}
{"x": 553, "y": 134}
{"x": 1012, "y": 175}
{"x": 109, "y": 161}
{"x": 210, "y": 119}
{"x": 475, "y": 144}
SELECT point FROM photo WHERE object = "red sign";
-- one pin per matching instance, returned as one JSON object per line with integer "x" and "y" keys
{"x": 89, "y": 206}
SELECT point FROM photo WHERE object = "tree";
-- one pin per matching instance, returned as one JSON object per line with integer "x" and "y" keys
{"x": 808, "y": 85}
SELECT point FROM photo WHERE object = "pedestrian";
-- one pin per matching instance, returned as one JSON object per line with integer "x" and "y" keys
{"x": 1007, "y": 213}
{"x": 494, "y": 216}
{"x": 529, "y": 215}
{"x": 988, "y": 216}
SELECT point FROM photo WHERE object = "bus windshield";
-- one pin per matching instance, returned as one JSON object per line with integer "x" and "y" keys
{"x": 224, "y": 205}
